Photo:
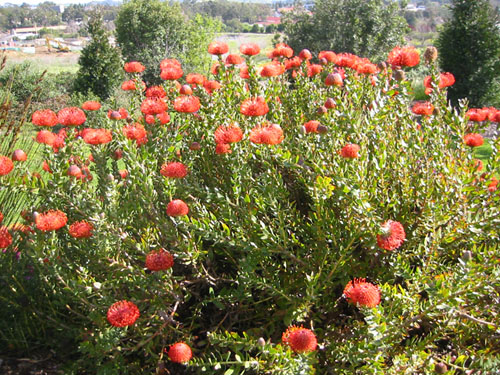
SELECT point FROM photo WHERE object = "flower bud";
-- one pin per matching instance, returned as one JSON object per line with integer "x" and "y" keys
{"x": 430, "y": 54}
{"x": 399, "y": 75}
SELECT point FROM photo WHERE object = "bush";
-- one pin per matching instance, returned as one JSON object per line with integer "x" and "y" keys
{"x": 278, "y": 224}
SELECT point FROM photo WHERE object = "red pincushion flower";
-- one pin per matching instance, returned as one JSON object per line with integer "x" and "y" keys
{"x": 477, "y": 114}
{"x": 166, "y": 63}
{"x": 81, "y": 229}
{"x": 254, "y": 107}
{"x": 269, "y": 134}
{"x": 423, "y": 108}
{"x": 164, "y": 118}
{"x": 123, "y": 173}
{"x": 75, "y": 171}
{"x": 51, "y": 220}
{"x": 177, "y": 207}
{"x": 244, "y": 72}
{"x": 44, "y": 117}
{"x": 159, "y": 260}
{"x": 281, "y": 50}
{"x": 174, "y": 170}
{"x": 218, "y": 48}
{"x": 171, "y": 73}
{"x": 6, "y": 165}
{"x": 180, "y": 352}
{"x": 392, "y": 236}
{"x": 233, "y": 59}
{"x": 120, "y": 114}
{"x": 300, "y": 340}
{"x": 5, "y": 238}
{"x": 473, "y": 139}
{"x": 195, "y": 79}
{"x": 129, "y": 85}
{"x": 134, "y": 67}
{"x": 350, "y": 151}
{"x": 96, "y": 136}
{"x": 228, "y": 134}
{"x": 334, "y": 79}
{"x": 311, "y": 126}
{"x": 71, "y": 116}
{"x": 134, "y": 131}
{"x": 292, "y": 63}
{"x": 305, "y": 54}
{"x": 404, "y": 56}
{"x": 155, "y": 92}
{"x": 366, "y": 68}
{"x": 211, "y": 86}
{"x": 346, "y": 59}
{"x": 187, "y": 104}
{"x": 313, "y": 70}
{"x": 186, "y": 90}
{"x": 362, "y": 293}
{"x": 492, "y": 186}
{"x": 250, "y": 49}
{"x": 153, "y": 106}
{"x": 329, "y": 56}
{"x": 272, "y": 69}
{"x": 223, "y": 148}
{"x": 445, "y": 80}
{"x": 1, "y": 217}
{"x": 123, "y": 313}
{"x": 19, "y": 155}
{"x": 91, "y": 105}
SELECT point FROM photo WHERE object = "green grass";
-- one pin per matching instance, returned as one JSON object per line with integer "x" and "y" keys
{"x": 52, "y": 62}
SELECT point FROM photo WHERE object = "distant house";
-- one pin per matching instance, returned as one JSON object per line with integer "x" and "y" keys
{"x": 24, "y": 32}
{"x": 269, "y": 21}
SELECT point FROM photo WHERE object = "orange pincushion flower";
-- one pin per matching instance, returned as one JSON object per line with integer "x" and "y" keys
{"x": 153, "y": 106}
{"x": 272, "y": 69}
{"x": 180, "y": 352}
{"x": 294, "y": 62}
{"x": 223, "y": 148}
{"x": 186, "y": 90}
{"x": 423, "y": 108}
{"x": 211, "y": 86}
{"x": 177, "y": 207}
{"x": 281, "y": 50}
{"x": 6, "y": 165}
{"x": 346, "y": 60}
{"x": 311, "y": 126}
{"x": 445, "y": 80}
{"x": 166, "y": 63}
{"x": 5, "y": 238}
{"x": 218, "y": 48}
{"x": 305, "y": 54}
{"x": 174, "y": 170}
{"x": 91, "y": 105}
{"x": 492, "y": 186}
{"x": 123, "y": 313}
{"x": 134, "y": 67}
{"x": 171, "y": 73}
{"x": 155, "y": 92}
{"x": 159, "y": 260}
{"x": 228, "y": 134}
{"x": 44, "y": 117}
{"x": 233, "y": 59}
{"x": 244, "y": 72}
{"x": 271, "y": 134}
{"x": 329, "y": 56}
{"x": 131, "y": 85}
{"x": 19, "y": 155}
{"x": 362, "y": 293}
{"x": 96, "y": 136}
{"x": 300, "y": 340}
{"x": 254, "y": 107}
{"x": 187, "y": 104}
{"x": 120, "y": 114}
{"x": 313, "y": 70}
{"x": 195, "y": 79}
{"x": 334, "y": 79}
{"x": 81, "y": 229}
{"x": 71, "y": 116}
{"x": 350, "y": 151}
{"x": 164, "y": 118}
{"x": 123, "y": 173}
{"x": 1, "y": 217}
{"x": 473, "y": 139}
{"x": 392, "y": 236}
{"x": 404, "y": 56}
{"x": 51, "y": 220}
{"x": 135, "y": 132}
{"x": 477, "y": 114}
{"x": 250, "y": 49}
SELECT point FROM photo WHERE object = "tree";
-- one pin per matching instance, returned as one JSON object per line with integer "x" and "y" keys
{"x": 469, "y": 47}
{"x": 369, "y": 28}
{"x": 150, "y": 30}
{"x": 100, "y": 64}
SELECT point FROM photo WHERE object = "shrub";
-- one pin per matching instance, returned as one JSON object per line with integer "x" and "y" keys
{"x": 272, "y": 227}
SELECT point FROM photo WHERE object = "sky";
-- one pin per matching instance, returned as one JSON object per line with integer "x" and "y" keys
{"x": 35, "y": 2}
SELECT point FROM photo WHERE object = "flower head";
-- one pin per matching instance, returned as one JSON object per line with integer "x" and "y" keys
{"x": 81, "y": 229}
{"x": 153, "y": 106}
{"x": 171, "y": 73}
{"x": 135, "y": 132}
{"x": 159, "y": 260}
{"x": 329, "y": 56}
{"x": 51, "y": 220}
{"x": 91, "y": 105}
{"x": 5, "y": 238}
{"x": 173, "y": 170}
{"x": 250, "y": 49}
{"x": 180, "y": 352}
{"x": 233, "y": 59}
{"x": 223, "y": 148}
{"x": 445, "y": 80}
{"x": 96, "y": 136}
{"x": 392, "y": 236}
{"x": 120, "y": 114}
{"x": 477, "y": 114}
{"x": 44, "y": 117}
{"x": 423, "y": 108}
{"x": 187, "y": 104}
{"x": 300, "y": 340}
{"x": 46, "y": 136}
{"x": 311, "y": 126}
{"x": 228, "y": 134}
{"x": 177, "y": 207}
{"x": 254, "y": 107}
{"x": 123, "y": 313}
{"x": 195, "y": 79}
{"x": 360, "y": 292}
{"x": 473, "y": 139}
{"x": 350, "y": 151}
{"x": 134, "y": 67}
{"x": 281, "y": 50}
{"x": 6, "y": 165}
{"x": 211, "y": 86}
{"x": 272, "y": 69}
{"x": 155, "y": 92}
{"x": 218, "y": 48}
{"x": 71, "y": 116}
{"x": 270, "y": 134}
{"x": 404, "y": 56}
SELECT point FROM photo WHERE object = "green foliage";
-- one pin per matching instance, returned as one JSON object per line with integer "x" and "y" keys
{"x": 149, "y": 31}
{"x": 366, "y": 28}
{"x": 273, "y": 235}
{"x": 100, "y": 64}
{"x": 469, "y": 46}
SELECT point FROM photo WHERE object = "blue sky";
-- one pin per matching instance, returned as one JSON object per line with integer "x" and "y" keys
{"x": 34, "y": 2}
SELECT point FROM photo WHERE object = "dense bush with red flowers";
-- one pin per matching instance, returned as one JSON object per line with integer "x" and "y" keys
{"x": 278, "y": 224}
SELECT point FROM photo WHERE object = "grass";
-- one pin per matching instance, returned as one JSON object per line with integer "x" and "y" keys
{"x": 56, "y": 62}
